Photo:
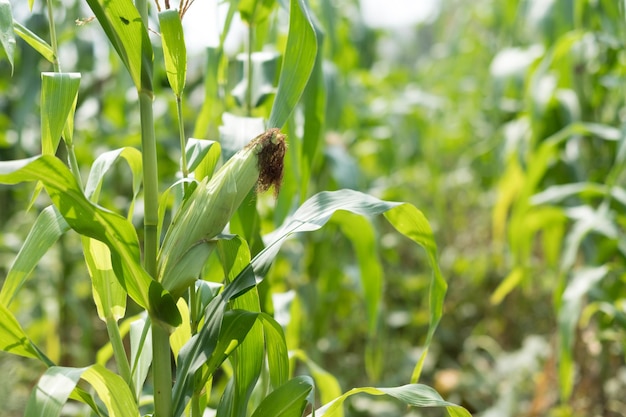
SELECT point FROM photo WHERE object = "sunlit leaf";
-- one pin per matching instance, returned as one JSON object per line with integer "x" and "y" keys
{"x": 92, "y": 221}
{"x": 54, "y": 388}
{"x": 415, "y": 395}
{"x": 59, "y": 92}
{"x": 289, "y": 400}
{"x": 174, "y": 49}
{"x": 298, "y": 63}
{"x": 7, "y": 37}
{"x": 46, "y": 230}
{"x": 12, "y": 337}
{"x": 407, "y": 219}
{"x": 34, "y": 41}
{"x": 124, "y": 28}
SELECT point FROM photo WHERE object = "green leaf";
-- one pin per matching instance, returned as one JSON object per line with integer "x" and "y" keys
{"x": 361, "y": 235}
{"x": 412, "y": 223}
{"x": 254, "y": 12}
{"x": 416, "y": 395}
{"x": 46, "y": 230}
{"x": 407, "y": 219}
{"x": 289, "y": 400}
{"x": 298, "y": 63}
{"x": 34, "y": 41}
{"x": 140, "y": 351}
{"x": 108, "y": 294}
{"x": 202, "y": 156}
{"x": 59, "y": 92}
{"x": 174, "y": 49}
{"x": 54, "y": 388}
{"x": 103, "y": 164}
{"x": 247, "y": 360}
{"x": 582, "y": 281}
{"x": 52, "y": 391}
{"x": 277, "y": 354}
{"x": 12, "y": 337}
{"x": 128, "y": 35}
{"x": 7, "y": 37}
{"x": 92, "y": 221}
{"x": 327, "y": 385}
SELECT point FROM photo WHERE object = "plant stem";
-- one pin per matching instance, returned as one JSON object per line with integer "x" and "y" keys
{"x": 161, "y": 371}
{"x": 118, "y": 351}
{"x": 53, "y": 37}
{"x": 181, "y": 132}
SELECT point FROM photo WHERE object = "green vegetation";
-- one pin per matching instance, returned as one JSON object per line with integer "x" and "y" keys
{"x": 145, "y": 270}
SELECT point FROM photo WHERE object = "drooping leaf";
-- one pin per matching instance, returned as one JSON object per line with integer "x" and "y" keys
{"x": 327, "y": 385}
{"x": 103, "y": 164}
{"x": 298, "y": 63}
{"x": 289, "y": 400}
{"x": 46, "y": 230}
{"x": 408, "y": 220}
{"x": 92, "y": 221}
{"x": 415, "y": 395}
{"x": 55, "y": 386}
{"x": 34, "y": 41}
{"x": 12, "y": 337}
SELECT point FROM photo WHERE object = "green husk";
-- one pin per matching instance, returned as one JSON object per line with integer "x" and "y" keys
{"x": 187, "y": 244}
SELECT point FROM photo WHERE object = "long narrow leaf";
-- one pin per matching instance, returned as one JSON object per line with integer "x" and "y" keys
{"x": 174, "y": 49}
{"x": 46, "y": 230}
{"x": 128, "y": 35}
{"x": 59, "y": 92}
{"x": 34, "y": 41}
{"x": 298, "y": 63}
{"x": 7, "y": 37}
{"x": 56, "y": 385}
{"x": 416, "y": 395}
{"x": 289, "y": 400}
{"x": 90, "y": 220}
{"x": 407, "y": 219}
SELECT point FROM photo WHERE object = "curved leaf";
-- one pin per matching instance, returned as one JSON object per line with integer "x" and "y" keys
{"x": 128, "y": 35}
{"x": 407, "y": 219}
{"x": 416, "y": 395}
{"x": 46, "y": 230}
{"x": 298, "y": 63}
{"x": 56, "y": 385}
{"x": 289, "y": 400}
{"x": 7, "y": 37}
{"x": 34, "y": 41}
{"x": 92, "y": 221}
{"x": 59, "y": 92}
{"x": 12, "y": 337}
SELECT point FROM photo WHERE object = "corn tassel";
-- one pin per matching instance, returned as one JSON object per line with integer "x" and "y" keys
{"x": 187, "y": 244}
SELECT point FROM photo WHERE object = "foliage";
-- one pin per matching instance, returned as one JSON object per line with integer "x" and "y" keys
{"x": 191, "y": 288}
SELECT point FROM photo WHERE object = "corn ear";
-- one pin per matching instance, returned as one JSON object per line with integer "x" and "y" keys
{"x": 207, "y": 211}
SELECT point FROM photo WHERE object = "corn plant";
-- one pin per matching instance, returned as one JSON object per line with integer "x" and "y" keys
{"x": 196, "y": 278}
{"x": 562, "y": 187}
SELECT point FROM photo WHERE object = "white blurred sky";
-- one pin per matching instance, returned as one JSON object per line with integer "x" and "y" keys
{"x": 203, "y": 20}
